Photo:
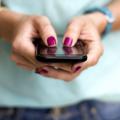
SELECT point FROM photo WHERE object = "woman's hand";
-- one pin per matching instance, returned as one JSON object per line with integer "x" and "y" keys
{"x": 23, "y": 50}
{"x": 28, "y": 27}
{"x": 88, "y": 30}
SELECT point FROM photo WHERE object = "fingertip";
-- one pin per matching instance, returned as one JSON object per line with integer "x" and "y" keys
{"x": 51, "y": 41}
{"x": 76, "y": 69}
{"x": 68, "y": 41}
{"x": 44, "y": 70}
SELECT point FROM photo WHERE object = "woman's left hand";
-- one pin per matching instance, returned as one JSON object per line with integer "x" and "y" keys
{"x": 85, "y": 29}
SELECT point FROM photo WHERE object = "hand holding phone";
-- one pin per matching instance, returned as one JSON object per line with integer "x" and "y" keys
{"x": 61, "y": 54}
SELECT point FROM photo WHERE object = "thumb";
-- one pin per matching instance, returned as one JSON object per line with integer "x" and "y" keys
{"x": 72, "y": 33}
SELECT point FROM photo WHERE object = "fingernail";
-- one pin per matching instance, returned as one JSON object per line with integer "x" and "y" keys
{"x": 51, "y": 41}
{"x": 44, "y": 71}
{"x": 77, "y": 69}
{"x": 41, "y": 71}
{"x": 68, "y": 41}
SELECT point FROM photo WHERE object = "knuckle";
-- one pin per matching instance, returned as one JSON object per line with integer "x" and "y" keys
{"x": 100, "y": 49}
{"x": 94, "y": 61}
{"x": 15, "y": 46}
{"x": 75, "y": 19}
{"x": 44, "y": 19}
{"x": 73, "y": 29}
{"x": 35, "y": 18}
{"x": 22, "y": 46}
{"x": 78, "y": 21}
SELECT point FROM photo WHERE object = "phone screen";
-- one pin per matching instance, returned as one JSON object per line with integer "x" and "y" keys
{"x": 78, "y": 53}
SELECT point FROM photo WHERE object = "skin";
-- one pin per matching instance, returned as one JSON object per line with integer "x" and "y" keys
{"x": 19, "y": 29}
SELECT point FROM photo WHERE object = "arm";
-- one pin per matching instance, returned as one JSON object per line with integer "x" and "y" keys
{"x": 19, "y": 30}
{"x": 8, "y": 20}
{"x": 100, "y": 20}
{"x": 114, "y": 6}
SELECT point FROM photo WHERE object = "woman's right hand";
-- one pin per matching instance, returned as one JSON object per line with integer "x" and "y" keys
{"x": 23, "y": 50}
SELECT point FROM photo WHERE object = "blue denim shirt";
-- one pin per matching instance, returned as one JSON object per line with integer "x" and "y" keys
{"x": 19, "y": 87}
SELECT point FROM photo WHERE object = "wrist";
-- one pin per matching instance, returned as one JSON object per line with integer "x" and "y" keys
{"x": 99, "y": 20}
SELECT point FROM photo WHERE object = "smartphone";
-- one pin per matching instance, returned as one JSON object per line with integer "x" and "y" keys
{"x": 61, "y": 54}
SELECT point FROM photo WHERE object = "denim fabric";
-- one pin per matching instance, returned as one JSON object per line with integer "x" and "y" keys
{"x": 87, "y": 110}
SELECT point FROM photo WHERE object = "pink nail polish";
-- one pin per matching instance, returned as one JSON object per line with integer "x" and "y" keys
{"x": 51, "y": 41}
{"x": 41, "y": 71}
{"x": 44, "y": 71}
{"x": 68, "y": 42}
{"x": 77, "y": 69}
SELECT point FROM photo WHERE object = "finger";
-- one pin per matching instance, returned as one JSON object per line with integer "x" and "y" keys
{"x": 24, "y": 66}
{"x": 23, "y": 44}
{"x": 95, "y": 50}
{"x": 22, "y": 61}
{"x": 56, "y": 73}
{"x": 89, "y": 33}
{"x": 46, "y": 31}
{"x": 82, "y": 48}
{"x": 63, "y": 66}
{"x": 27, "y": 51}
{"x": 72, "y": 33}
{"x": 88, "y": 36}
